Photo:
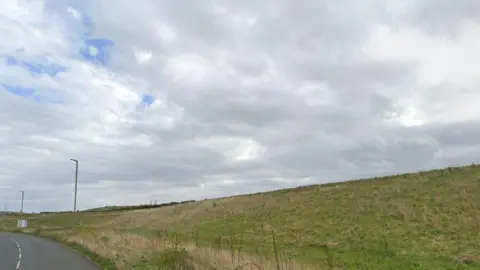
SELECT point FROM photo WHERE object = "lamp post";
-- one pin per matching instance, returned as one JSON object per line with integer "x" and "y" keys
{"x": 23, "y": 194}
{"x": 76, "y": 181}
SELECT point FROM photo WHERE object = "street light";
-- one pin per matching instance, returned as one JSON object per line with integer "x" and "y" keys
{"x": 76, "y": 180}
{"x": 23, "y": 193}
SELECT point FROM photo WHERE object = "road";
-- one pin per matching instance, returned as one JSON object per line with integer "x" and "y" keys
{"x": 27, "y": 252}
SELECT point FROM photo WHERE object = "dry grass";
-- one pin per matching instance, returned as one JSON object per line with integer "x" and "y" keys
{"x": 427, "y": 220}
{"x": 134, "y": 251}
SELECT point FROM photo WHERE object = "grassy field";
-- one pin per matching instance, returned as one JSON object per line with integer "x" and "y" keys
{"x": 428, "y": 220}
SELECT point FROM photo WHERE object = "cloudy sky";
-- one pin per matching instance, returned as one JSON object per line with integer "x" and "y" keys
{"x": 180, "y": 99}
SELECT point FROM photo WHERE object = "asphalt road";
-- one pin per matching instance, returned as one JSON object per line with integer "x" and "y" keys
{"x": 27, "y": 252}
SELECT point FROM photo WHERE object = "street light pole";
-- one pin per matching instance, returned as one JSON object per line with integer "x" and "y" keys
{"x": 23, "y": 193}
{"x": 76, "y": 181}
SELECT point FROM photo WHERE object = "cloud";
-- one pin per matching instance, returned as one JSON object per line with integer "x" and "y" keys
{"x": 198, "y": 100}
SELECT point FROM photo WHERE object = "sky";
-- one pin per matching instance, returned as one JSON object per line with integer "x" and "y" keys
{"x": 171, "y": 100}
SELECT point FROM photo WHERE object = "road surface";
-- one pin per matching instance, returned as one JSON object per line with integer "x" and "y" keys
{"x": 27, "y": 252}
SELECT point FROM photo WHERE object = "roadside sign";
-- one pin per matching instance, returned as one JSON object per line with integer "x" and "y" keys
{"x": 22, "y": 223}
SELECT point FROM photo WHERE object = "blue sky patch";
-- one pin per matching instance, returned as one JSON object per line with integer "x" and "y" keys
{"x": 45, "y": 99}
{"x": 147, "y": 100}
{"x": 95, "y": 50}
{"x": 89, "y": 25}
{"x": 30, "y": 93}
{"x": 19, "y": 91}
{"x": 51, "y": 69}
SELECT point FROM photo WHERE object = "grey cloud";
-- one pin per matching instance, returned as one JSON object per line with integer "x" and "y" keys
{"x": 442, "y": 17}
{"x": 253, "y": 66}
{"x": 138, "y": 157}
{"x": 465, "y": 133}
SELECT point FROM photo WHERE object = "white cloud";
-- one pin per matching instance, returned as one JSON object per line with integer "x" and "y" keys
{"x": 248, "y": 150}
{"x": 441, "y": 58}
{"x": 75, "y": 13}
{"x": 143, "y": 57}
{"x": 165, "y": 32}
{"x": 93, "y": 50}
{"x": 447, "y": 71}
{"x": 190, "y": 68}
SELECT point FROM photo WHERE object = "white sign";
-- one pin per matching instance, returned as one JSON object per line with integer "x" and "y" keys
{"x": 22, "y": 223}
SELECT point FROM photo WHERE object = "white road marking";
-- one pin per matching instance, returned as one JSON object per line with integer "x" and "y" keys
{"x": 19, "y": 252}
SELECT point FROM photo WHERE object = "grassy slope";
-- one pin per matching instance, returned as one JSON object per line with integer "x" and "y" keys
{"x": 427, "y": 220}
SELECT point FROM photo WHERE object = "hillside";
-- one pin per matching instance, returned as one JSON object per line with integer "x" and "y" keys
{"x": 427, "y": 220}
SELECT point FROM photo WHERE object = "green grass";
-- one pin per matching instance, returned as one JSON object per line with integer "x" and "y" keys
{"x": 428, "y": 220}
